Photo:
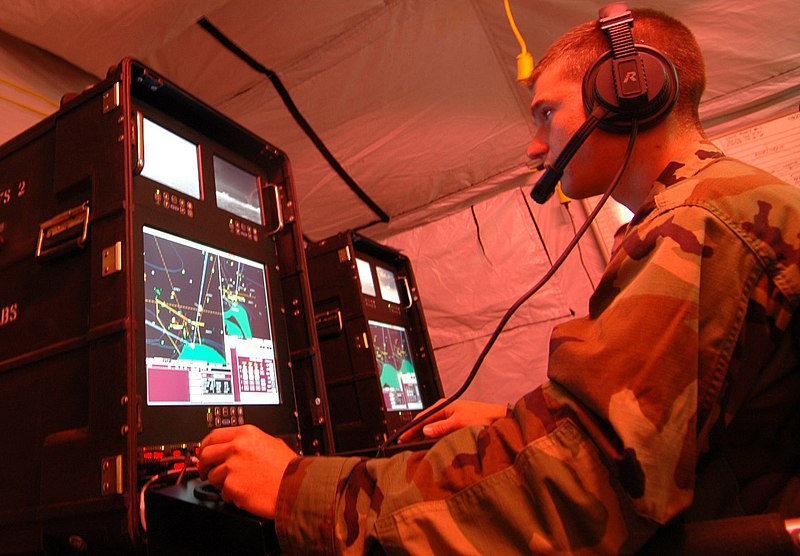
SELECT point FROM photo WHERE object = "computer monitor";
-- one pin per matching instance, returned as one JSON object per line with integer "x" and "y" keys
{"x": 376, "y": 354}
{"x": 208, "y": 335}
{"x": 395, "y": 366}
{"x": 213, "y": 346}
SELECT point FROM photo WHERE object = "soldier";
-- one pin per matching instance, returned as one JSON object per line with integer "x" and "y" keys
{"x": 676, "y": 397}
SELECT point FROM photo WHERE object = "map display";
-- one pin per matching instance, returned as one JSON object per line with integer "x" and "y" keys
{"x": 207, "y": 327}
{"x": 395, "y": 367}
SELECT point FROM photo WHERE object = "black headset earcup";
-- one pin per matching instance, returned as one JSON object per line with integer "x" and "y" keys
{"x": 662, "y": 91}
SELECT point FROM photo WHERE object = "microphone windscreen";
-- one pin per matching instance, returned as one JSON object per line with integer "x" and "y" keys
{"x": 546, "y": 185}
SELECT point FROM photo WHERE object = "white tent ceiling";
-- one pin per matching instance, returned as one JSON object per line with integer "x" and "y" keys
{"x": 416, "y": 98}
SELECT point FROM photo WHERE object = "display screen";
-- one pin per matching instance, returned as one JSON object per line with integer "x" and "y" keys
{"x": 170, "y": 159}
{"x": 365, "y": 276}
{"x": 208, "y": 337}
{"x": 395, "y": 366}
{"x": 237, "y": 190}
{"x": 388, "y": 285}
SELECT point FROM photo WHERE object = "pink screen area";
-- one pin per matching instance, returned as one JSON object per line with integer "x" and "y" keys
{"x": 167, "y": 385}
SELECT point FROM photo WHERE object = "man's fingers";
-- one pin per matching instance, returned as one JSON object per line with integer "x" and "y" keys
{"x": 418, "y": 430}
{"x": 440, "y": 428}
{"x": 221, "y": 435}
{"x": 216, "y": 475}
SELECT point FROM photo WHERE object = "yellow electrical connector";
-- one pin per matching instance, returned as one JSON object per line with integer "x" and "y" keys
{"x": 561, "y": 196}
{"x": 524, "y": 58}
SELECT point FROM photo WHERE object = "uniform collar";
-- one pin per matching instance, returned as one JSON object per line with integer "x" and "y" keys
{"x": 702, "y": 153}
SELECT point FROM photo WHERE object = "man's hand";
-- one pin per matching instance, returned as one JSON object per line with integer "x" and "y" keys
{"x": 246, "y": 465}
{"x": 460, "y": 413}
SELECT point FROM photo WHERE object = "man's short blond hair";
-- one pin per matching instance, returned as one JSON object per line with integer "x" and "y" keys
{"x": 575, "y": 52}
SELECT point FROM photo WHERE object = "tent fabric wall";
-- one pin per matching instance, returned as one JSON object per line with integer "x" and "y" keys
{"x": 474, "y": 264}
{"x": 32, "y": 82}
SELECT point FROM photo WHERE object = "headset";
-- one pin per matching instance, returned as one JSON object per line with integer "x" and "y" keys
{"x": 628, "y": 83}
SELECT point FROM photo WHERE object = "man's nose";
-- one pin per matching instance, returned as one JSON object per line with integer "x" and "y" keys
{"x": 537, "y": 150}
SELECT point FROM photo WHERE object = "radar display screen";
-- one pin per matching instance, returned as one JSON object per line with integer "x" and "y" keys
{"x": 395, "y": 367}
{"x": 208, "y": 337}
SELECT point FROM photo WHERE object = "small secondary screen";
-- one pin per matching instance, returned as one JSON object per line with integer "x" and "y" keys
{"x": 395, "y": 366}
{"x": 388, "y": 284}
{"x": 237, "y": 190}
{"x": 365, "y": 276}
{"x": 170, "y": 159}
{"x": 208, "y": 337}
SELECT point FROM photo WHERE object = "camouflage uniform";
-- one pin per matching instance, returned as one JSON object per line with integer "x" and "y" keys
{"x": 678, "y": 394}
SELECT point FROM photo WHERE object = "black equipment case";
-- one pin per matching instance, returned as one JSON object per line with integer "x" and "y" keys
{"x": 113, "y": 273}
{"x": 376, "y": 354}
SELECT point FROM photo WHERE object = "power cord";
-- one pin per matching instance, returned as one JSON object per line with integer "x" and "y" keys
{"x": 565, "y": 202}
{"x": 189, "y": 467}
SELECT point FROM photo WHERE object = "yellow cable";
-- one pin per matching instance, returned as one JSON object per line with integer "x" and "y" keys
{"x": 514, "y": 26}
{"x": 524, "y": 59}
{"x": 23, "y": 105}
{"x": 29, "y": 91}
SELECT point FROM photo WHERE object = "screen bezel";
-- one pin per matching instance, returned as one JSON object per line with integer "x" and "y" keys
{"x": 188, "y": 307}
{"x": 212, "y": 226}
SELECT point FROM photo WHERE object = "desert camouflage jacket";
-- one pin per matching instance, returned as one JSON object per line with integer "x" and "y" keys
{"x": 677, "y": 395}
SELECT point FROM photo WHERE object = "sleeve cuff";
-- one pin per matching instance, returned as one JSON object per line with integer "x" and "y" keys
{"x": 305, "y": 511}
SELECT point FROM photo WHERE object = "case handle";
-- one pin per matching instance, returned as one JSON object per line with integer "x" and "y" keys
{"x": 138, "y": 127}
{"x": 278, "y": 209}
{"x": 63, "y": 232}
{"x": 408, "y": 291}
{"x": 329, "y": 323}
